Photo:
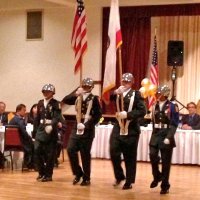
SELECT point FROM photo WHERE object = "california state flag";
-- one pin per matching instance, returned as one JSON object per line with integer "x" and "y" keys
{"x": 115, "y": 41}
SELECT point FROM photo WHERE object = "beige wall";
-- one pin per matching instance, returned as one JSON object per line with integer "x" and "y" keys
{"x": 25, "y": 66}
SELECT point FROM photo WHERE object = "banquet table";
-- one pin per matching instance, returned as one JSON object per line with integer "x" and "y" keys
{"x": 187, "y": 149}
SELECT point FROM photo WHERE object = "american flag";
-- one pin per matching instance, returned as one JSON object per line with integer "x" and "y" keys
{"x": 79, "y": 34}
{"x": 154, "y": 70}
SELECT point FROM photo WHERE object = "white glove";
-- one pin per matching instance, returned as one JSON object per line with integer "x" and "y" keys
{"x": 166, "y": 141}
{"x": 80, "y": 91}
{"x": 48, "y": 129}
{"x": 80, "y": 126}
{"x": 122, "y": 115}
{"x": 121, "y": 89}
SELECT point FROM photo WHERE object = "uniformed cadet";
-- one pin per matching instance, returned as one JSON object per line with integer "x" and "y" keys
{"x": 88, "y": 115}
{"x": 165, "y": 118}
{"x": 45, "y": 126}
{"x": 125, "y": 135}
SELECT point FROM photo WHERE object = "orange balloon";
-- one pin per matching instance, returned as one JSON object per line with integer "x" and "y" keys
{"x": 145, "y": 83}
{"x": 152, "y": 89}
{"x": 143, "y": 92}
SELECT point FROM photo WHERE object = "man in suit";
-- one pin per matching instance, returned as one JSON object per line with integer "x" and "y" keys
{"x": 88, "y": 115}
{"x": 45, "y": 129}
{"x": 126, "y": 131}
{"x": 191, "y": 121}
{"x": 3, "y": 121}
{"x": 165, "y": 118}
{"x": 3, "y": 115}
{"x": 19, "y": 120}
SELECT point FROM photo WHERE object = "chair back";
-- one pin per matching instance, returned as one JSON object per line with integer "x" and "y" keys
{"x": 12, "y": 141}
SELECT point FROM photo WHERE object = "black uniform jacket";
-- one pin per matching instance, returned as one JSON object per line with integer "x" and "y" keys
{"x": 95, "y": 114}
{"x": 138, "y": 111}
{"x": 169, "y": 116}
{"x": 52, "y": 112}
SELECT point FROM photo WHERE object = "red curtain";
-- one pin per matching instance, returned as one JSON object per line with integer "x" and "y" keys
{"x": 136, "y": 34}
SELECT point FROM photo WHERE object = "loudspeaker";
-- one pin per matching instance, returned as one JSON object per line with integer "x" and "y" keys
{"x": 175, "y": 53}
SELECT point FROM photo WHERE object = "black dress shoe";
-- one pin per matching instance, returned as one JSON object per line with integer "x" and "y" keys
{"x": 117, "y": 182}
{"x": 164, "y": 191}
{"x": 85, "y": 183}
{"x": 46, "y": 179}
{"x": 76, "y": 180}
{"x": 127, "y": 186}
{"x": 154, "y": 183}
{"x": 39, "y": 178}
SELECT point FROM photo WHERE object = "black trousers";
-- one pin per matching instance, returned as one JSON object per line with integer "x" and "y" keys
{"x": 84, "y": 146}
{"x": 126, "y": 146}
{"x": 166, "y": 156}
{"x": 45, "y": 157}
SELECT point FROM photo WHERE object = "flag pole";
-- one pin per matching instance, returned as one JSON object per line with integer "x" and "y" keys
{"x": 155, "y": 31}
{"x": 120, "y": 63}
{"x": 81, "y": 75}
{"x": 79, "y": 100}
{"x": 120, "y": 75}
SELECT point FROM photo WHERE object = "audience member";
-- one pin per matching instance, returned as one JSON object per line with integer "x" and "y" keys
{"x": 191, "y": 121}
{"x": 3, "y": 121}
{"x": 32, "y": 114}
{"x": 19, "y": 120}
{"x": 61, "y": 131}
{"x": 3, "y": 114}
{"x": 32, "y": 117}
{"x": 198, "y": 107}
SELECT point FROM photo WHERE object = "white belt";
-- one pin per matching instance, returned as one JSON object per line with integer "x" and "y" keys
{"x": 45, "y": 121}
{"x": 160, "y": 125}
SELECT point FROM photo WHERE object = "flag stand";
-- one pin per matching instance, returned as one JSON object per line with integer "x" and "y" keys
{"x": 173, "y": 78}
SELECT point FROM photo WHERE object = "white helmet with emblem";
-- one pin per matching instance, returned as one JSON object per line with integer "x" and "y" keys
{"x": 49, "y": 87}
{"x": 164, "y": 90}
{"x": 88, "y": 82}
{"x": 128, "y": 77}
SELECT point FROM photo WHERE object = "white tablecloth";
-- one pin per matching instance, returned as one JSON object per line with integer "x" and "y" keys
{"x": 187, "y": 149}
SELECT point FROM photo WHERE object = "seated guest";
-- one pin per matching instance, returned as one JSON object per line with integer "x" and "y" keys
{"x": 198, "y": 107}
{"x": 191, "y": 121}
{"x": 3, "y": 115}
{"x": 61, "y": 131}
{"x": 19, "y": 120}
{"x": 32, "y": 114}
{"x": 3, "y": 121}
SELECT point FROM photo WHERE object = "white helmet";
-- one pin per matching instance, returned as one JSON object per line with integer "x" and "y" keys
{"x": 128, "y": 77}
{"x": 49, "y": 87}
{"x": 88, "y": 82}
{"x": 164, "y": 90}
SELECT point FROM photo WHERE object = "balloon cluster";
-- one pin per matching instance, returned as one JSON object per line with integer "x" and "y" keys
{"x": 147, "y": 89}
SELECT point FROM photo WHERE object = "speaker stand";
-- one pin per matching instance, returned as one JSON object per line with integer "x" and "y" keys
{"x": 173, "y": 78}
